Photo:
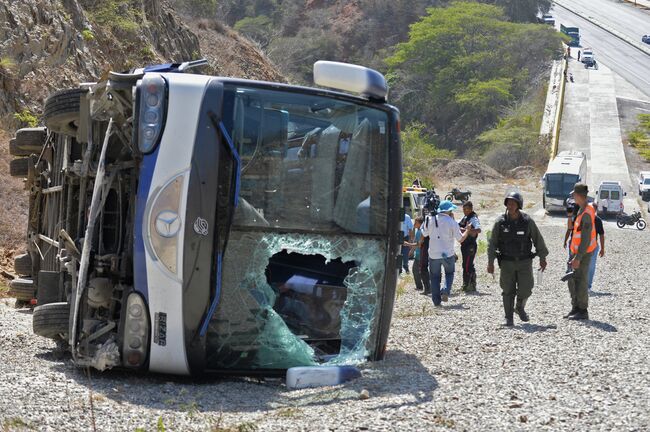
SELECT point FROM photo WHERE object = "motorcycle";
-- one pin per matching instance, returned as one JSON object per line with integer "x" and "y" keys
{"x": 633, "y": 219}
{"x": 458, "y": 195}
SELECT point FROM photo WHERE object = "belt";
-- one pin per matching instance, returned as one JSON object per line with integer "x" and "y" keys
{"x": 509, "y": 258}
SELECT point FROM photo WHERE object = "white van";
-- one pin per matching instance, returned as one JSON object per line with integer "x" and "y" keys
{"x": 609, "y": 198}
{"x": 644, "y": 183}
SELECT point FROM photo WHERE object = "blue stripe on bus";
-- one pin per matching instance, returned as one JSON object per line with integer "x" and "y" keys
{"x": 139, "y": 255}
{"x": 235, "y": 156}
{"x": 215, "y": 301}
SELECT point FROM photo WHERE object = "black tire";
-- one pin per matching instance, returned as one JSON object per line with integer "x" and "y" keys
{"x": 61, "y": 111}
{"x": 23, "y": 264}
{"x": 640, "y": 224}
{"x": 51, "y": 320}
{"x": 28, "y": 141}
{"x": 620, "y": 223}
{"x": 19, "y": 167}
{"x": 449, "y": 197}
{"x": 22, "y": 289}
{"x": 16, "y": 150}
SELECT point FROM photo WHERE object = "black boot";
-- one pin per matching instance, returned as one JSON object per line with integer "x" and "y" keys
{"x": 471, "y": 284}
{"x": 582, "y": 314}
{"x": 466, "y": 282}
{"x": 508, "y": 308}
{"x": 521, "y": 304}
{"x": 574, "y": 310}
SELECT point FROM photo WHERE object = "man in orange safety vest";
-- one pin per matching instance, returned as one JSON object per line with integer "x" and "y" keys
{"x": 583, "y": 244}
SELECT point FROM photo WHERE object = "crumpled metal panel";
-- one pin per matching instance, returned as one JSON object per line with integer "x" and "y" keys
{"x": 246, "y": 333}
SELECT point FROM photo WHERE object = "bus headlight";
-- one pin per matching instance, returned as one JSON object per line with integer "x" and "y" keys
{"x": 135, "y": 342}
{"x": 152, "y": 110}
{"x": 165, "y": 223}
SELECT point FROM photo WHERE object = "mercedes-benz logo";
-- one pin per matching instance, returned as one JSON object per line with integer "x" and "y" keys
{"x": 201, "y": 226}
{"x": 167, "y": 223}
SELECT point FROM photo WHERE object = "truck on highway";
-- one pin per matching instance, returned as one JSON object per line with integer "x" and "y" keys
{"x": 588, "y": 58}
{"x": 546, "y": 19}
{"x": 184, "y": 223}
{"x": 573, "y": 33}
{"x": 563, "y": 172}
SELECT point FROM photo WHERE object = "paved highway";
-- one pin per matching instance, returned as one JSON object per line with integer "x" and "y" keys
{"x": 624, "y": 17}
{"x": 622, "y": 58}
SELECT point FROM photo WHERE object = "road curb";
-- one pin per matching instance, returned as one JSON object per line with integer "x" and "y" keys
{"x": 608, "y": 29}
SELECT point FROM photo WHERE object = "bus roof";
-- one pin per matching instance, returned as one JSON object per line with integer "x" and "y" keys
{"x": 567, "y": 162}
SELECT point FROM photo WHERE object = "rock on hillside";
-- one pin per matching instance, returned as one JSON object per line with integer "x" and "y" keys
{"x": 46, "y": 45}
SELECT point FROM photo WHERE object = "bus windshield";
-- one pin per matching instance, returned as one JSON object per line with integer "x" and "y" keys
{"x": 560, "y": 185}
{"x": 309, "y": 162}
{"x": 305, "y": 266}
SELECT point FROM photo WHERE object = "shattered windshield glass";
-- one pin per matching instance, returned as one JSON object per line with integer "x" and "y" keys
{"x": 304, "y": 268}
{"x": 295, "y": 300}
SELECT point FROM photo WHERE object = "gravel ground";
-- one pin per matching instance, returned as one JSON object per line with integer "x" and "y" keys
{"x": 452, "y": 368}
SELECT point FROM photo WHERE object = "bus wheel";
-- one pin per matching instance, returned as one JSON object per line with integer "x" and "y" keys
{"x": 61, "y": 111}
{"x": 51, "y": 320}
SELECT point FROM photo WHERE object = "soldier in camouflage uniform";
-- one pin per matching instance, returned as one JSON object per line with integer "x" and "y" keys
{"x": 513, "y": 236}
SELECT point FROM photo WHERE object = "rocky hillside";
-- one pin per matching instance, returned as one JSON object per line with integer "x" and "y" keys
{"x": 47, "y": 45}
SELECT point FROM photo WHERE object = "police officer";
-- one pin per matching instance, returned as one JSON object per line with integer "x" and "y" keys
{"x": 583, "y": 244}
{"x": 513, "y": 236}
{"x": 471, "y": 223}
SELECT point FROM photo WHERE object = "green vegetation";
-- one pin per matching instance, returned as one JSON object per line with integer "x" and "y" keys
{"x": 15, "y": 423}
{"x": 88, "y": 35}
{"x": 7, "y": 64}
{"x": 457, "y": 70}
{"x": 146, "y": 53}
{"x": 122, "y": 17}
{"x": 465, "y": 74}
{"x": 468, "y": 59}
{"x": 640, "y": 137}
{"x": 26, "y": 118}
{"x": 514, "y": 140}
{"x": 160, "y": 426}
{"x": 482, "y": 247}
{"x": 418, "y": 150}
{"x": 259, "y": 29}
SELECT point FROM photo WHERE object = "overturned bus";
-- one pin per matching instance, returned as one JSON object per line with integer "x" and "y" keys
{"x": 183, "y": 223}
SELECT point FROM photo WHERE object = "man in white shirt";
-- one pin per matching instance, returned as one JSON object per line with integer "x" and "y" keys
{"x": 442, "y": 231}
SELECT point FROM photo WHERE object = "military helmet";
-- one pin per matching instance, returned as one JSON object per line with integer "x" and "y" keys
{"x": 516, "y": 196}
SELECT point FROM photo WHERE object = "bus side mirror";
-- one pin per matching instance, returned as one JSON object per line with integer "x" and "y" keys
{"x": 402, "y": 212}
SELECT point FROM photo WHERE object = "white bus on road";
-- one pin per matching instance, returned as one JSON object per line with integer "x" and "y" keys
{"x": 567, "y": 169}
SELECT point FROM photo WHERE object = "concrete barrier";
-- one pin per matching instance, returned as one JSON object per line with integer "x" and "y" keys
{"x": 550, "y": 129}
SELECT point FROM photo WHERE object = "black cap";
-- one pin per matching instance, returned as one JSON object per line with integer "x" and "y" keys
{"x": 580, "y": 189}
